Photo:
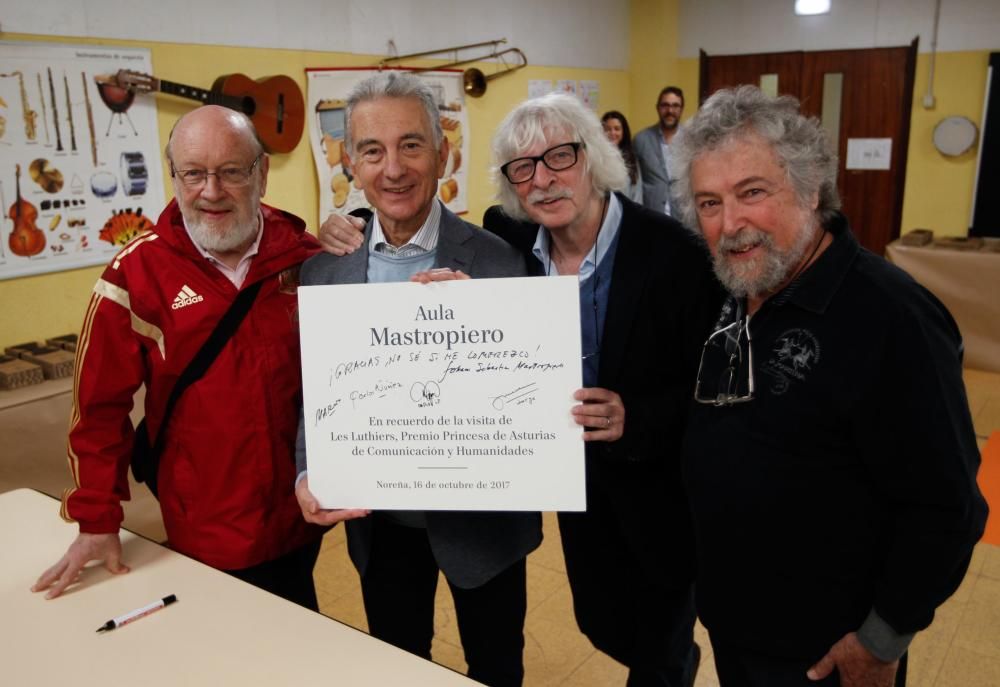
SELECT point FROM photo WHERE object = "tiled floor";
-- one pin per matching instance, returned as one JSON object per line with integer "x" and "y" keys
{"x": 961, "y": 648}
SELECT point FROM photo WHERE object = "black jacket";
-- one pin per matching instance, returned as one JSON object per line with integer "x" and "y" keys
{"x": 663, "y": 302}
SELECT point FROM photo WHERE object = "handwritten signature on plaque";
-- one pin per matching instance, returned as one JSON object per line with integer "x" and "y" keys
{"x": 519, "y": 396}
{"x": 425, "y": 394}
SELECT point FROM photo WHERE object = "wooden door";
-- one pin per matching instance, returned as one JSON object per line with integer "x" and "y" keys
{"x": 727, "y": 71}
{"x": 875, "y": 94}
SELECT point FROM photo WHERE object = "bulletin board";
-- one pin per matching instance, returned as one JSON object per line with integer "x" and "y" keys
{"x": 80, "y": 166}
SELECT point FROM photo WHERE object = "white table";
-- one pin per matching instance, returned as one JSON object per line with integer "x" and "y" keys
{"x": 221, "y": 631}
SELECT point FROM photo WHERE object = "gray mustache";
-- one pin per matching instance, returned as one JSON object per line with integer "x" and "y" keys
{"x": 745, "y": 239}
{"x": 545, "y": 196}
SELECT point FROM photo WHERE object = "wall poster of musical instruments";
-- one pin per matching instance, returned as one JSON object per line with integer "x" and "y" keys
{"x": 80, "y": 170}
{"x": 327, "y": 91}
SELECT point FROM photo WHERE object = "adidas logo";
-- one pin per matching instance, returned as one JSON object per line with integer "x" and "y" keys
{"x": 185, "y": 297}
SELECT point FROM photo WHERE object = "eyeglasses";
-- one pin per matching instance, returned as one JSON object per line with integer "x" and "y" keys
{"x": 725, "y": 374}
{"x": 556, "y": 158}
{"x": 230, "y": 177}
{"x": 671, "y": 106}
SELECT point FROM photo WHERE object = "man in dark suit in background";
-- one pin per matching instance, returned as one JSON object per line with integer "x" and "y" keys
{"x": 647, "y": 299}
{"x": 398, "y": 153}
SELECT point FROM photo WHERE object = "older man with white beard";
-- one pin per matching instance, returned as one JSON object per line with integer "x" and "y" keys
{"x": 830, "y": 459}
{"x": 217, "y": 263}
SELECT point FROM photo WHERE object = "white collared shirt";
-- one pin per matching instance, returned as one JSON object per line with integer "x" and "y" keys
{"x": 665, "y": 148}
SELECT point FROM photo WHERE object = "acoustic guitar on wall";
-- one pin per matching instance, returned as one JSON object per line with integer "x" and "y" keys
{"x": 274, "y": 104}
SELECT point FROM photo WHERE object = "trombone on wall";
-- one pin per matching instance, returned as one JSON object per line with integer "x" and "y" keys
{"x": 473, "y": 80}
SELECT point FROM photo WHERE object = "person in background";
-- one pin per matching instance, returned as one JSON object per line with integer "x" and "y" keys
{"x": 227, "y": 469}
{"x": 617, "y": 130}
{"x": 830, "y": 459}
{"x": 652, "y": 149}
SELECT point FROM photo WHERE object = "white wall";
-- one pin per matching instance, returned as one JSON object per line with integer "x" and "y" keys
{"x": 569, "y": 33}
{"x": 726, "y": 27}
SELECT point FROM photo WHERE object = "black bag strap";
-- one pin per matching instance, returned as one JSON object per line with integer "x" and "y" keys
{"x": 209, "y": 351}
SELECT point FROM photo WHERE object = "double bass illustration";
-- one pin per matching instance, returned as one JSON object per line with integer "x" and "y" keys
{"x": 25, "y": 239}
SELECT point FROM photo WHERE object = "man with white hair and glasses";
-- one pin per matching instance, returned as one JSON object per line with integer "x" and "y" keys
{"x": 646, "y": 302}
{"x": 830, "y": 457}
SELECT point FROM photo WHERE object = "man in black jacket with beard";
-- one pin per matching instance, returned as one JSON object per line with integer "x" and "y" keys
{"x": 830, "y": 459}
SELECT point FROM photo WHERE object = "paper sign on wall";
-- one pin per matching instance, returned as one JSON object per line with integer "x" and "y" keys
{"x": 869, "y": 153}
{"x": 539, "y": 87}
{"x": 589, "y": 93}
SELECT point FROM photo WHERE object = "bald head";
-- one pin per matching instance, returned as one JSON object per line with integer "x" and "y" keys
{"x": 219, "y": 173}
{"x": 213, "y": 125}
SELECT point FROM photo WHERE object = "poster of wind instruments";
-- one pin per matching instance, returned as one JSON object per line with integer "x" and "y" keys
{"x": 80, "y": 170}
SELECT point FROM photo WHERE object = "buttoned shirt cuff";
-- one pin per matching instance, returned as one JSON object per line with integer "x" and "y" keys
{"x": 883, "y": 642}
{"x": 298, "y": 477}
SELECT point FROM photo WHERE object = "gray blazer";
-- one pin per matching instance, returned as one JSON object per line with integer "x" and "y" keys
{"x": 655, "y": 180}
{"x": 470, "y": 547}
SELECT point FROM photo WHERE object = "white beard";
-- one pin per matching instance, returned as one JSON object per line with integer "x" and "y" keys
{"x": 212, "y": 240}
{"x": 243, "y": 225}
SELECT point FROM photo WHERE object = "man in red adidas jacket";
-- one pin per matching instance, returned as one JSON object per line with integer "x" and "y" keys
{"x": 227, "y": 470}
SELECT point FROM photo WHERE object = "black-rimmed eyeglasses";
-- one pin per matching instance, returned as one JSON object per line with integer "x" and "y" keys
{"x": 557, "y": 158}
{"x": 230, "y": 177}
{"x": 725, "y": 373}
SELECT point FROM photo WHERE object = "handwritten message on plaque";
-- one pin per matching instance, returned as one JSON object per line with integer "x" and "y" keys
{"x": 447, "y": 396}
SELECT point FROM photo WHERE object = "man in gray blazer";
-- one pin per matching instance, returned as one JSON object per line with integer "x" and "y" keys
{"x": 398, "y": 153}
{"x": 652, "y": 149}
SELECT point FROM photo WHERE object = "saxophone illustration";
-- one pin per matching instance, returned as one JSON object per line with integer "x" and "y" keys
{"x": 30, "y": 116}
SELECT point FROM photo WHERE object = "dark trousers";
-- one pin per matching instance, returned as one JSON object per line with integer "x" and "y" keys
{"x": 399, "y": 586}
{"x": 739, "y": 668}
{"x": 621, "y": 605}
{"x": 290, "y": 576}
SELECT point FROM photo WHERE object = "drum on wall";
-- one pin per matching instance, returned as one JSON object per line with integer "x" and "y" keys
{"x": 134, "y": 174}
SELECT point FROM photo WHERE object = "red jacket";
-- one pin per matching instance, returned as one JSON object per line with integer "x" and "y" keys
{"x": 227, "y": 470}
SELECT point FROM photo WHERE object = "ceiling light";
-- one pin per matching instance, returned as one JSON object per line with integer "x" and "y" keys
{"x": 803, "y": 7}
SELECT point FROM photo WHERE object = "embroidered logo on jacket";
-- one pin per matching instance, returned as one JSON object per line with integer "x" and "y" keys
{"x": 793, "y": 356}
{"x": 185, "y": 297}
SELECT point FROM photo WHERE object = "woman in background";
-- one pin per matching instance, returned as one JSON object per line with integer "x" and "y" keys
{"x": 617, "y": 130}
